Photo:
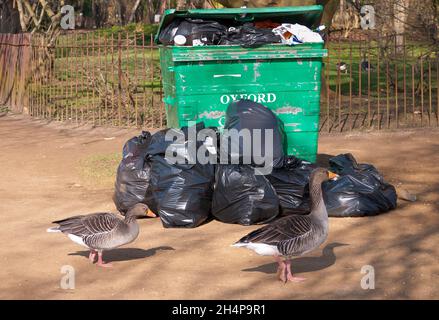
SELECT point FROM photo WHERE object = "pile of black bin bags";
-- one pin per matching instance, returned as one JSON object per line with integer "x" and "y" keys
{"x": 180, "y": 193}
{"x": 133, "y": 173}
{"x": 242, "y": 193}
{"x": 359, "y": 191}
{"x": 185, "y": 194}
{"x": 291, "y": 185}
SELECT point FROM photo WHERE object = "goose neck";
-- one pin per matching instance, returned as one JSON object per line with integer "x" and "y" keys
{"x": 130, "y": 219}
{"x": 318, "y": 208}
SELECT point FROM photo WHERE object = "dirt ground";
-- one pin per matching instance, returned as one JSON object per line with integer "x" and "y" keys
{"x": 44, "y": 177}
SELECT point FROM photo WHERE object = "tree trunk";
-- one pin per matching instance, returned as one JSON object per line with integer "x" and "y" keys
{"x": 10, "y": 21}
{"x": 163, "y": 6}
{"x": 400, "y": 13}
{"x": 113, "y": 13}
{"x": 181, "y": 4}
{"x": 22, "y": 15}
{"x": 133, "y": 11}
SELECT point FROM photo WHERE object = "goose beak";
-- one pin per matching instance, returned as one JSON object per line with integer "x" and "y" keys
{"x": 150, "y": 214}
{"x": 332, "y": 175}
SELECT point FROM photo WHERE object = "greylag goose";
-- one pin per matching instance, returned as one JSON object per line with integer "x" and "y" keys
{"x": 294, "y": 235}
{"x": 102, "y": 231}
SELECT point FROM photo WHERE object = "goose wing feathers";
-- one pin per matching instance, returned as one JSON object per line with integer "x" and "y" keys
{"x": 83, "y": 226}
{"x": 284, "y": 229}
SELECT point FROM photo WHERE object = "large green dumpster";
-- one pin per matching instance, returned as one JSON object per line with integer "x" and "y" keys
{"x": 200, "y": 82}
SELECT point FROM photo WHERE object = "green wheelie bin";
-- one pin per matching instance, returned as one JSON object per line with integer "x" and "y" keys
{"x": 199, "y": 82}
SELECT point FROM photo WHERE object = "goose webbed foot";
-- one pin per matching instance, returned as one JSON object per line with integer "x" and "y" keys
{"x": 295, "y": 279}
{"x": 104, "y": 265}
{"x": 289, "y": 275}
{"x": 101, "y": 263}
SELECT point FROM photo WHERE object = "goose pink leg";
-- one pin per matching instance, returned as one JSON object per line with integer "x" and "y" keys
{"x": 281, "y": 274}
{"x": 92, "y": 256}
{"x": 289, "y": 275}
{"x": 101, "y": 263}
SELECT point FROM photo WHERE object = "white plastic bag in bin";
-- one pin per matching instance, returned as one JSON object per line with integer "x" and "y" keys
{"x": 293, "y": 34}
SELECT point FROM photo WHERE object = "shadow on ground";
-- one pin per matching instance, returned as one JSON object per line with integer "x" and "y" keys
{"x": 304, "y": 264}
{"x": 125, "y": 254}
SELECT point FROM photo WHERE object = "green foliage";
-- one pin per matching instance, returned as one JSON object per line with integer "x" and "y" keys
{"x": 147, "y": 29}
{"x": 3, "y": 110}
{"x": 99, "y": 170}
{"x": 87, "y": 8}
{"x": 340, "y": 52}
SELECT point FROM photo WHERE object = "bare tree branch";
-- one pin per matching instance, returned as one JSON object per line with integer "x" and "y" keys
{"x": 47, "y": 8}
{"x": 133, "y": 11}
{"x": 22, "y": 15}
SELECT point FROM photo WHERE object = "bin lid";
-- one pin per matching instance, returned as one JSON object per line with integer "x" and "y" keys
{"x": 306, "y": 15}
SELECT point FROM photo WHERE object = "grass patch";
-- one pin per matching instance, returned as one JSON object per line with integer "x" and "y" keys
{"x": 399, "y": 67}
{"x": 99, "y": 170}
{"x": 109, "y": 39}
{"x": 3, "y": 110}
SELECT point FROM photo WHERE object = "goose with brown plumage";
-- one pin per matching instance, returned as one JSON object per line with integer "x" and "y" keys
{"x": 294, "y": 235}
{"x": 102, "y": 231}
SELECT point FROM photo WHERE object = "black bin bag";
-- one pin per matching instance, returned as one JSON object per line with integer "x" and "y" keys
{"x": 196, "y": 31}
{"x": 248, "y": 116}
{"x": 248, "y": 36}
{"x": 291, "y": 183}
{"x": 180, "y": 193}
{"x": 359, "y": 191}
{"x": 132, "y": 177}
{"x": 242, "y": 197}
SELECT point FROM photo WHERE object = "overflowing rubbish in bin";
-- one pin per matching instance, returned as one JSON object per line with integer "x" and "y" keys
{"x": 203, "y": 32}
{"x": 211, "y": 58}
{"x": 292, "y": 34}
{"x": 249, "y": 36}
{"x": 192, "y": 32}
